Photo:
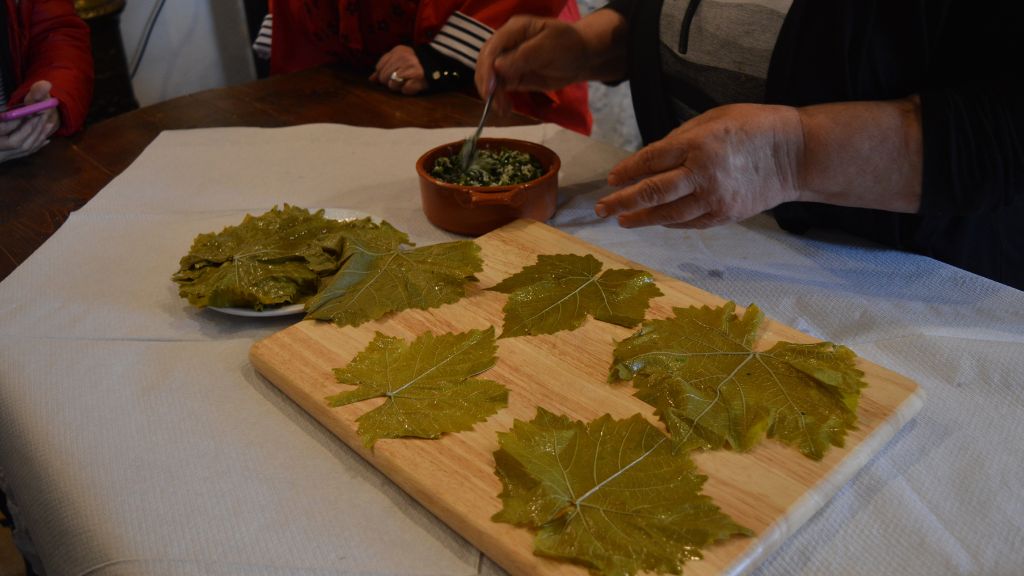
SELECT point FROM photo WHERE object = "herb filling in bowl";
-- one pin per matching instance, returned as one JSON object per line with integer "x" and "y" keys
{"x": 502, "y": 167}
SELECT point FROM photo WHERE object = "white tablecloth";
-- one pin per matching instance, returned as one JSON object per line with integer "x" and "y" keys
{"x": 135, "y": 438}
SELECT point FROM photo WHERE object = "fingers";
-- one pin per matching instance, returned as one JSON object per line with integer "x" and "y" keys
{"x": 682, "y": 213}
{"x": 383, "y": 68}
{"x": 665, "y": 198}
{"x": 4, "y": 156}
{"x": 506, "y": 39}
{"x": 51, "y": 121}
{"x": 649, "y": 192}
{"x": 400, "y": 70}
{"x": 530, "y": 67}
{"x": 390, "y": 63}
{"x": 38, "y": 138}
{"x": 30, "y": 136}
{"x": 406, "y": 80}
{"x": 8, "y": 127}
{"x": 17, "y": 139}
{"x": 502, "y": 103}
{"x": 518, "y": 58}
{"x": 26, "y": 133}
{"x": 395, "y": 80}
{"x": 653, "y": 159}
{"x": 413, "y": 87}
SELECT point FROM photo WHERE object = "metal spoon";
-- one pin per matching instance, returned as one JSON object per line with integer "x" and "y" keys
{"x": 467, "y": 154}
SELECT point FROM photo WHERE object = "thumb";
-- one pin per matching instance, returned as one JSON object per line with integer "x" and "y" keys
{"x": 38, "y": 92}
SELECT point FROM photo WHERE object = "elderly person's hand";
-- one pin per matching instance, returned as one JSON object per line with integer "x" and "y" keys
{"x": 725, "y": 165}
{"x": 531, "y": 53}
{"x": 27, "y": 135}
{"x": 735, "y": 161}
{"x": 401, "y": 71}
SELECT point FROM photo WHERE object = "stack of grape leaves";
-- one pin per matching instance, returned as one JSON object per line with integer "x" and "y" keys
{"x": 347, "y": 272}
{"x": 575, "y": 456}
{"x": 279, "y": 257}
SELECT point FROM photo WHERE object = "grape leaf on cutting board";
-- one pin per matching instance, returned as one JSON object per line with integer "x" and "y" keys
{"x": 428, "y": 385}
{"x": 608, "y": 494}
{"x": 379, "y": 275}
{"x": 559, "y": 291}
{"x": 713, "y": 389}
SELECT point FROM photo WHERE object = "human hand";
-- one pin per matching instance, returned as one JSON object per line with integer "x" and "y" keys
{"x": 725, "y": 165}
{"x": 530, "y": 53}
{"x": 27, "y": 135}
{"x": 400, "y": 70}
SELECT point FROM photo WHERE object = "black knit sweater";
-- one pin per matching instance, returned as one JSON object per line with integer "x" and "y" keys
{"x": 961, "y": 57}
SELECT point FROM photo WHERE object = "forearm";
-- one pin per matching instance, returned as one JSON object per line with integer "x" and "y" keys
{"x": 862, "y": 154}
{"x": 59, "y": 52}
{"x": 605, "y": 35}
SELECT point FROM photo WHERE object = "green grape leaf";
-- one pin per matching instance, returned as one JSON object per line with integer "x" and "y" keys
{"x": 560, "y": 290}
{"x": 380, "y": 275}
{"x": 276, "y": 258}
{"x": 608, "y": 494}
{"x": 428, "y": 385}
{"x": 713, "y": 390}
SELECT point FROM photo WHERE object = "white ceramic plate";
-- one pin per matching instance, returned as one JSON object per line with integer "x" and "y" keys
{"x": 265, "y": 313}
{"x": 290, "y": 309}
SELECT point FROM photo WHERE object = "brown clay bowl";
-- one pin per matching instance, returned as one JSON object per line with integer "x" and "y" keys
{"x": 475, "y": 210}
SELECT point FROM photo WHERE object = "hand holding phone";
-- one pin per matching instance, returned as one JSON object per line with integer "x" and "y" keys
{"x": 24, "y": 110}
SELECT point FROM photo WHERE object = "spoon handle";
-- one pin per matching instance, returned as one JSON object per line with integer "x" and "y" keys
{"x": 469, "y": 147}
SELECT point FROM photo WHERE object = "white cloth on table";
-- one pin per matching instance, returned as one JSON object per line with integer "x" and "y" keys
{"x": 135, "y": 438}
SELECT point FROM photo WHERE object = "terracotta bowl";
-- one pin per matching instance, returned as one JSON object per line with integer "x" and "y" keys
{"x": 475, "y": 210}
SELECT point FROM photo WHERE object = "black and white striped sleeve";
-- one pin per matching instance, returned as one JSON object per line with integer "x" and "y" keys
{"x": 461, "y": 38}
{"x": 262, "y": 44}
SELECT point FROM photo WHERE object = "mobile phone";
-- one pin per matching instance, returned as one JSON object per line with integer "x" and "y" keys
{"x": 23, "y": 110}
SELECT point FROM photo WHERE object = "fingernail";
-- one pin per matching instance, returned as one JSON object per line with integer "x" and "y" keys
{"x": 613, "y": 179}
{"x": 601, "y": 210}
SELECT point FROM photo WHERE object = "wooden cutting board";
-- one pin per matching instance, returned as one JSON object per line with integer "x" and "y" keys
{"x": 772, "y": 490}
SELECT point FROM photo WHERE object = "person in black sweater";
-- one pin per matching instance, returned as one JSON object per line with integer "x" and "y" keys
{"x": 896, "y": 121}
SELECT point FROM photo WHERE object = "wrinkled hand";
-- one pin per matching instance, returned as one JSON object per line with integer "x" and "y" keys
{"x": 725, "y": 165}
{"x": 27, "y": 135}
{"x": 531, "y": 53}
{"x": 401, "y": 61}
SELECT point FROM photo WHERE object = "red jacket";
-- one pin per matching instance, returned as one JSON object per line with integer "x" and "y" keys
{"x": 50, "y": 42}
{"x": 297, "y": 44}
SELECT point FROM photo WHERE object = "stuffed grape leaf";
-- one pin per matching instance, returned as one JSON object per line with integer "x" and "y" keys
{"x": 428, "y": 385}
{"x": 608, "y": 494}
{"x": 380, "y": 275}
{"x": 560, "y": 290}
{"x": 276, "y": 258}
{"x": 712, "y": 389}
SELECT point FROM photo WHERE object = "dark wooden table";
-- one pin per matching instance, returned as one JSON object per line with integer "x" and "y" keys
{"x": 37, "y": 193}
